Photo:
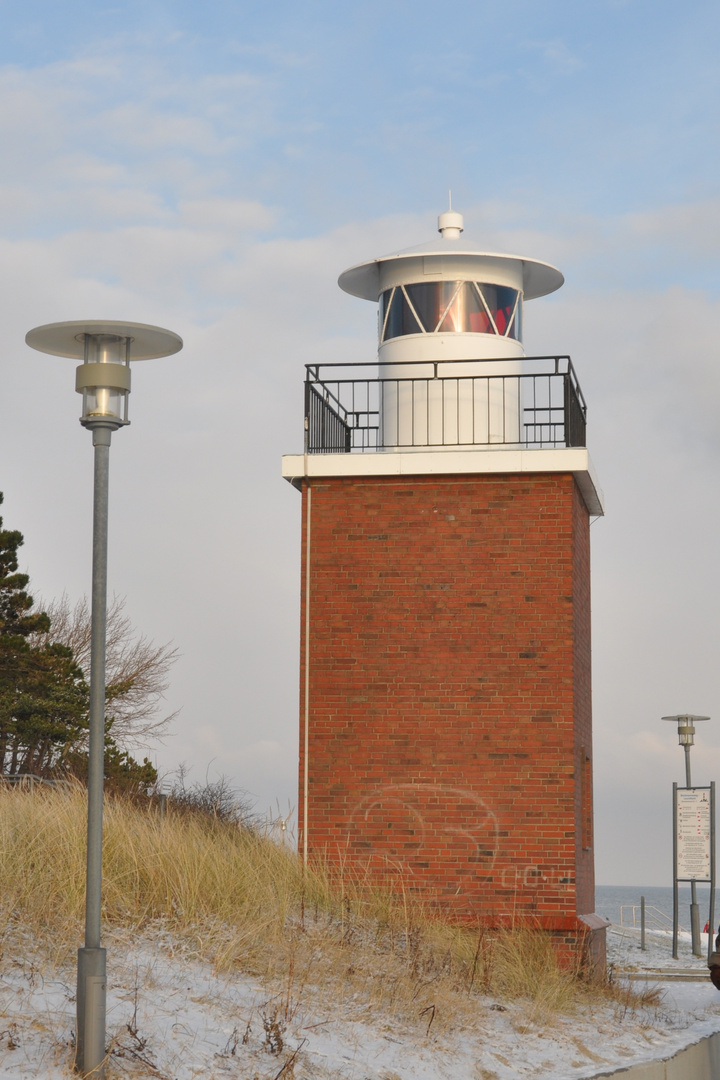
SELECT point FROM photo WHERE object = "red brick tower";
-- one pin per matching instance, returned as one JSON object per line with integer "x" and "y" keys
{"x": 445, "y": 654}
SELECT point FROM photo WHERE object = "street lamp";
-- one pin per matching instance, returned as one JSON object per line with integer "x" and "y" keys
{"x": 103, "y": 379}
{"x": 686, "y": 738}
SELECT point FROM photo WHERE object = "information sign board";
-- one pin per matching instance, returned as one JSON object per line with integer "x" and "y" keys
{"x": 692, "y": 817}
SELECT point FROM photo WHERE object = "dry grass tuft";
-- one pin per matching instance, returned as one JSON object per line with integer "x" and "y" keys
{"x": 238, "y": 900}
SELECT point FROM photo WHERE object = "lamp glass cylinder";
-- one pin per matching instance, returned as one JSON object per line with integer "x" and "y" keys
{"x": 104, "y": 402}
{"x": 104, "y": 399}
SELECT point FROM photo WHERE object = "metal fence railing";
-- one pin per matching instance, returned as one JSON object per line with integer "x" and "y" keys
{"x": 527, "y": 402}
{"x": 655, "y": 919}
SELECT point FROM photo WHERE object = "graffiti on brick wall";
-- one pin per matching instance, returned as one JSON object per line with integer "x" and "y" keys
{"x": 531, "y": 876}
{"x": 434, "y": 828}
{"x": 419, "y": 826}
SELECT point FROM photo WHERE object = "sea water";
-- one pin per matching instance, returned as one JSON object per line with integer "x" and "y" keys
{"x": 616, "y": 902}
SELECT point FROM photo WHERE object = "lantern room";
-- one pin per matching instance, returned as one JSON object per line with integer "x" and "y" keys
{"x": 449, "y": 299}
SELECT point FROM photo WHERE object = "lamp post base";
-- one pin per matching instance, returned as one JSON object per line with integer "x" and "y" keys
{"x": 695, "y": 925}
{"x": 91, "y": 991}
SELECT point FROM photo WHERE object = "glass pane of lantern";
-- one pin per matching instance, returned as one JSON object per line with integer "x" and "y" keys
{"x": 400, "y": 319}
{"x": 393, "y": 325}
{"x": 466, "y": 314}
{"x": 501, "y": 301}
{"x": 430, "y": 298}
{"x": 385, "y": 299}
{"x": 516, "y": 328}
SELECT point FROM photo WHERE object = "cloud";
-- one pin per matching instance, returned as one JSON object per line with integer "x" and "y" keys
{"x": 694, "y": 227}
{"x": 227, "y": 214}
{"x": 124, "y": 137}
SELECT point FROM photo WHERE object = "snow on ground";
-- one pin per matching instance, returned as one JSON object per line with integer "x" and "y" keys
{"x": 174, "y": 1018}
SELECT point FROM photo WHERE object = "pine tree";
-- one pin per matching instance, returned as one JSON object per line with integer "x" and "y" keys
{"x": 44, "y": 697}
{"x": 16, "y": 617}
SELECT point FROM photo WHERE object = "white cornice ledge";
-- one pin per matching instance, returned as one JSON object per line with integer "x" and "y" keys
{"x": 575, "y": 460}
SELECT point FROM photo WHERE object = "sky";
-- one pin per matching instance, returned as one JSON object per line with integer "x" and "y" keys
{"x": 212, "y": 169}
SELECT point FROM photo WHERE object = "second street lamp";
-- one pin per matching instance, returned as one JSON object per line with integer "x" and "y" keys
{"x": 686, "y": 738}
{"x": 103, "y": 379}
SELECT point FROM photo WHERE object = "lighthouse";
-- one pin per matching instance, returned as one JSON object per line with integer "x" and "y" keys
{"x": 445, "y": 675}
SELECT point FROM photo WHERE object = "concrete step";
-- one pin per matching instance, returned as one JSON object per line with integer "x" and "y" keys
{"x": 663, "y": 975}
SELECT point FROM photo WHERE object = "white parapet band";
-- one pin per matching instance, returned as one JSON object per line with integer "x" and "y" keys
{"x": 477, "y": 462}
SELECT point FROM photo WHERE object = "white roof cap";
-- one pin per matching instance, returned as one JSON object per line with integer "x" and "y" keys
{"x": 539, "y": 278}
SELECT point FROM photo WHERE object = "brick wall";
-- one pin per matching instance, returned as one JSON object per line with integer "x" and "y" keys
{"x": 449, "y": 689}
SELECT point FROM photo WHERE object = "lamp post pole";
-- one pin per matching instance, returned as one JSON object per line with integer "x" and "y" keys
{"x": 103, "y": 379}
{"x": 686, "y": 737}
{"x": 694, "y": 909}
{"x": 91, "y": 979}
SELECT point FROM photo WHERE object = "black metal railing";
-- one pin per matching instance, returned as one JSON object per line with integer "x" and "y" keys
{"x": 533, "y": 401}
{"x": 326, "y": 426}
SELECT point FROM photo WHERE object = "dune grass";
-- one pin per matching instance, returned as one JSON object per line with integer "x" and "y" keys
{"x": 241, "y": 902}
